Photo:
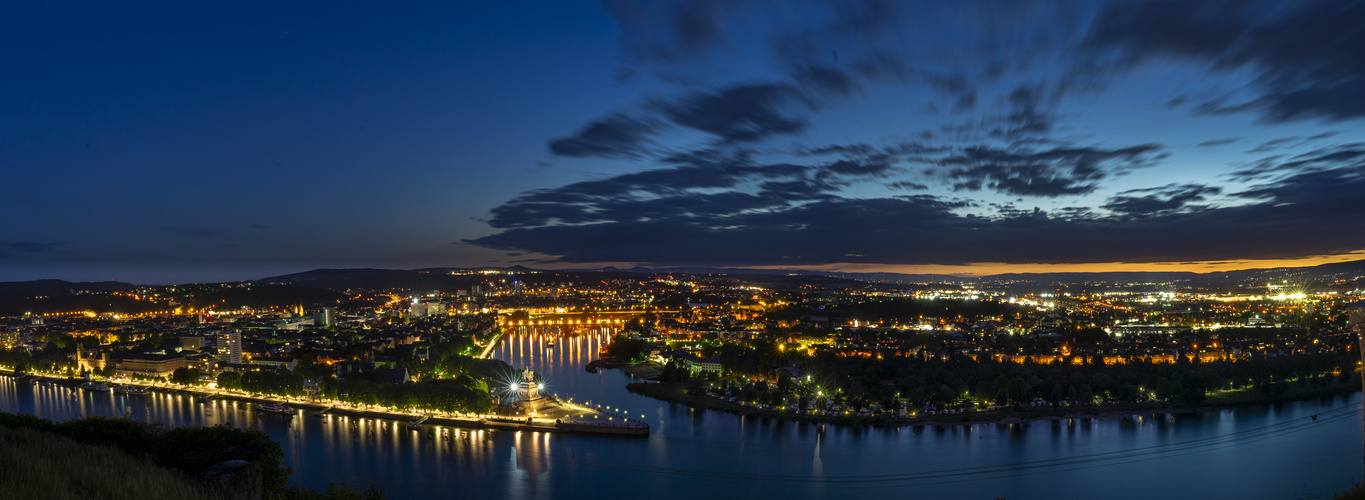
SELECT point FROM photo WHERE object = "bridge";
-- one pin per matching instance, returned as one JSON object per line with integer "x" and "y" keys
{"x": 557, "y": 315}
{"x": 561, "y": 329}
{"x": 557, "y": 322}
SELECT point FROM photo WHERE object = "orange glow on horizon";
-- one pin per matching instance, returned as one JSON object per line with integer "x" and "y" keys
{"x": 989, "y": 268}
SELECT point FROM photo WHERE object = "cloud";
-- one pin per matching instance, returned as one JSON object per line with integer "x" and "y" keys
{"x": 727, "y": 210}
{"x": 805, "y": 233}
{"x": 1027, "y": 115}
{"x": 617, "y": 135}
{"x": 965, "y": 102}
{"x": 825, "y": 79}
{"x": 668, "y": 32}
{"x": 1305, "y": 56}
{"x": 1316, "y": 160}
{"x": 874, "y": 166}
{"x": 856, "y": 148}
{"x": 1162, "y": 200}
{"x": 1273, "y": 144}
{"x": 739, "y": 113}
{"x": 862, "y": 17}
{"x": 699, "y": 185}
{"x": 1152, "y": 225}
{"x": 1292, "y": 142}
{"x": 682, "y": 187}
{"x": 1218, "y": 142}
{"x": 1048, "y": 172}
{"x": 1000, "y": 101}
{"x": 914, "y": 186}
{"x": 12, "y": 248}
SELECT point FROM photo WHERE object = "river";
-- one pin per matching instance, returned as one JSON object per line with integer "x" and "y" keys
{"x": 1262, "y": 452}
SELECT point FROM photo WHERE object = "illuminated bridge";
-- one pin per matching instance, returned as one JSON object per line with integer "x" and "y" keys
{"x": 570, "y": 323}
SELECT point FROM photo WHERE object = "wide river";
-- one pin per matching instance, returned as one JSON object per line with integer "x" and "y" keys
{"x": 1263, "y": 452}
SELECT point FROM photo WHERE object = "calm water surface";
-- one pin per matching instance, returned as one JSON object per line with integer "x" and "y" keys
{"x": 1267, "y": 452}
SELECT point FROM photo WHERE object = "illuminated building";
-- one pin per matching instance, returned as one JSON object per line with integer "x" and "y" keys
{"x": 229, "y": 346}
{"x": 325, "y": 317}
{"x": 150, "y": 365}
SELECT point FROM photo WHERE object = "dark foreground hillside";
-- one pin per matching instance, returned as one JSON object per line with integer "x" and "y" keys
{"x": 37, "y": 464}
{"x": 104, "y": 458}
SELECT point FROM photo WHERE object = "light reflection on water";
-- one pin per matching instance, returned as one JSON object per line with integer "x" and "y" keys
{"x": 1270, "y": 452}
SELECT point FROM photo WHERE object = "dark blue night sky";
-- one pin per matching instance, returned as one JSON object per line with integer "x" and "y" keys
{"x": 195, "y": 141}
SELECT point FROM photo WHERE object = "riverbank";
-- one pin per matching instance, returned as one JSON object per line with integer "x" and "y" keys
{"x": 647, "y": 370}
{"x": 676, "y": 393}
{"x": 587, "y": 421}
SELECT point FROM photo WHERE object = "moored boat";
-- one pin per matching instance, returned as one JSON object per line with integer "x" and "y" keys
{"x": 95, "y": 387}
{"x": 131, "y": 390}
{"x": 280, "y": 408}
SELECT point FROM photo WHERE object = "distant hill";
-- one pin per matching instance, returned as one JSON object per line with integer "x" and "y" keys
{"x": 417, "y": 280}
{"x": 920, "y": 278}
{"x": 887, "y": 277}
{"x": 374, "y": 279}
{"x": 1353, "y": 270}
{"x": 454, "y": 279}
{"x": 25, "y": 289}
{"x": 1117, "y": 277}
{"x": 335, "y": 274}
{"x": 197, "y": 295}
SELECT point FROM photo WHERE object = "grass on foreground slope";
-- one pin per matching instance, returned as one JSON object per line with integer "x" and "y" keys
{"x": 40, "y": 465}
{"x": 1356, "y": 492}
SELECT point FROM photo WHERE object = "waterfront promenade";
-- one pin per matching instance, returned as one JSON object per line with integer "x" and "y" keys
{"x": 550, "y": 415}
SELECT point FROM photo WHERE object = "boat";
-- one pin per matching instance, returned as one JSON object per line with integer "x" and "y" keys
{"x": 132, "y": 390}
{"x": 95, "y": 387}
{"x": 280, "y": 408}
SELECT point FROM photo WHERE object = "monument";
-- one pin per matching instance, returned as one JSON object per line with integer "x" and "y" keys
{"x": 528, "y": 389}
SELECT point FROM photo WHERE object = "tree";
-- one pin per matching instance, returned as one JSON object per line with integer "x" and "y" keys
{"x": 230, "y": 380}
{"x": 944, "y": 394}
{"x": 185, "y": 376}
{"x": 1085, "y": 395}
{"x": 1192, "y": 388}
{"x": 313, "y": 369}
{"x": 784, "y": 382}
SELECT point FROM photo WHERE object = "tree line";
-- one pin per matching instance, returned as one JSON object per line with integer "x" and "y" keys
{"x": 861, "y": 382}
{"x": 462, "y": 394}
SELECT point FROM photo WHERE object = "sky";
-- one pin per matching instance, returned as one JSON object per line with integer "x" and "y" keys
{"x": 166, "y": 142}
